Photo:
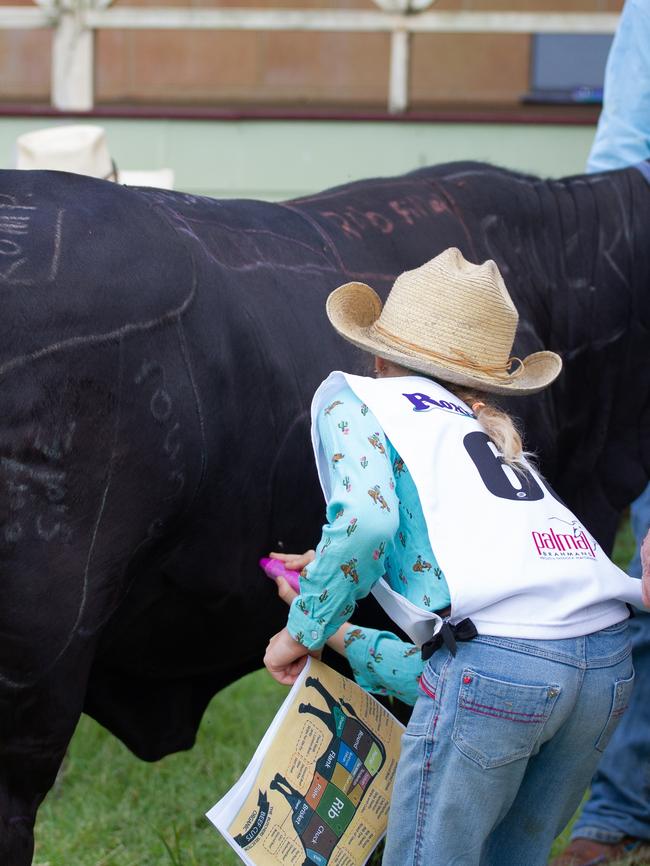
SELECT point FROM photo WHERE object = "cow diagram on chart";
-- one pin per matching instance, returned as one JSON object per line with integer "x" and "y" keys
{"x": 343, "y": 775}
{"x": 319, "y": 792}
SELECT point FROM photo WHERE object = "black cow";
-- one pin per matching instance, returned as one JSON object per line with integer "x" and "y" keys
{"x": 158, "y": 354}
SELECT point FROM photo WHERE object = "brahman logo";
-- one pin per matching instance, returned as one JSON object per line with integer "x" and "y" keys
{"x": 570, "y": 543}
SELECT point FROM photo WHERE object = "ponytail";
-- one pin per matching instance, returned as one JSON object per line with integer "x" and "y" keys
{"x": 498, "y": 425}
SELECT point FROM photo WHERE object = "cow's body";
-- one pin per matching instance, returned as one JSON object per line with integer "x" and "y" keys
{"x": 157, "y": 360}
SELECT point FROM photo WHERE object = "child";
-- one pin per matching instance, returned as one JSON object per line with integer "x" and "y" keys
{"x": 528, "y": 664}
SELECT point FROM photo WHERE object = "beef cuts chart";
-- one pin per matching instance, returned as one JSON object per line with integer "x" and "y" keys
{"x": 317, "y": 791}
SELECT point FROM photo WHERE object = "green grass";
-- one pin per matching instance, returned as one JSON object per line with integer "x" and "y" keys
{"x": 624, "y": 546}
{"x": 109, "y": 809}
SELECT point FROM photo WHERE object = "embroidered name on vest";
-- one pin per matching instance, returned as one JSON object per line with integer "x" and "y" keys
{"x": 424, "y": 403}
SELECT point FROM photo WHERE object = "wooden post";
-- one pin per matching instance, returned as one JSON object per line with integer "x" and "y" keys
{"x": 73, "y": 59}
{"x": 398, "y": 87}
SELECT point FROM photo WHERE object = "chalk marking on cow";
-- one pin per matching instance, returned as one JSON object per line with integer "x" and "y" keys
{"x": 161, "y": 405}
{"x": 622, "y": 229}
{"x": 265, "y": 257}
{"x": 512, "y": 178}
{"x": 61, "y": 443}
{"x": 9, "y": 248}
{"x": 161, "y": 408}
{"x": 314, "y": 224}
{"x": 53, "y": 481}
{"x": 96, "y": 339}
{"x": 13, "y": 533}
{"x": 169, "y": 449}
{"x": 14, "y": 223}
{"x": 455, "y": 211}
{"x": 492, "y": 227}
{"x": 182, "y": 339}
{"x": 408, "y": 209}
{"x": 186, "y": 224}
{"x": 156, "y": 528}
{"x": 5, "y": 275}
{"x": 100, "y": 513}
{"x": 10, "y": 201}
{"x": 146, "y": 370}
{"x": 571, "y": 248}
{"x": 58, "y": 233}
{"x": 17, "y": 495}
{"x": 345, "y": 192}
{"x": 37, "y": 473}
{"x": 49, "y": 534}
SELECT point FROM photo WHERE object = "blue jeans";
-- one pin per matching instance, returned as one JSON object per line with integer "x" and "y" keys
{"x": 503, "y": 741}
{"x": 619, "y": 804}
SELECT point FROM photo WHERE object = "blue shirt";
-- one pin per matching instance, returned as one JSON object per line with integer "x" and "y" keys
{"x": 622, "y": 139}
{"x": 623, "y": 134}
{"x": 375, "y": 528}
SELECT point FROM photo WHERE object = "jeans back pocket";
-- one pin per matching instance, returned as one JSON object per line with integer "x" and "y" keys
{"x": 620, "y": 700}
{"x": 499, "y": 721}
{"x": 425, "y": 710}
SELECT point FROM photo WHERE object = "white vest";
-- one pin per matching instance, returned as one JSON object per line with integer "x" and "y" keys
{"x": 516, "y": 560}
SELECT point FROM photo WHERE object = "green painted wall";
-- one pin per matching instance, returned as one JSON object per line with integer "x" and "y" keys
{"x": 276, "y": 159}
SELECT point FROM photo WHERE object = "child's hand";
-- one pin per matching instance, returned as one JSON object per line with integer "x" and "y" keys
{"x": 285, "y": 591}
{"x": 295, "y": 561}
{"x": 285, "y": 657}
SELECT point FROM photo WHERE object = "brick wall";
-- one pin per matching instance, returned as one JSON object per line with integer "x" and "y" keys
{"x": 309, "y": 69}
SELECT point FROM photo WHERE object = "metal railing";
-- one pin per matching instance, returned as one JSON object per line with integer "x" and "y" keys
{"x": 74, "y": 23}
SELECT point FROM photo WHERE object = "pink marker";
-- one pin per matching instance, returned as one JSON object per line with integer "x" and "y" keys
{"x": 274, "y": 568}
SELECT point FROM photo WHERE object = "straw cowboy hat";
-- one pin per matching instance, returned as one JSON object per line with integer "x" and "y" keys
{"x": 81, "y": 149}
{"x": 449, "y": 319}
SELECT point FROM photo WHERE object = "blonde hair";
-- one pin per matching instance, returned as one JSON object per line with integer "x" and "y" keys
{"x": 498, "y": 425}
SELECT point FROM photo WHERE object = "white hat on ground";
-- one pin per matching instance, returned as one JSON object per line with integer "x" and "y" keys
{"x": 81, "y": 149}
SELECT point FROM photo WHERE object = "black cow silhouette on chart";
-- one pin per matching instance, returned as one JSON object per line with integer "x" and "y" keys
{"x": 332, "y": 704}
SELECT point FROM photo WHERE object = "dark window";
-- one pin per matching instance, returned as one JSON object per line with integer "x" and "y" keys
{"x": 568, "y": 67}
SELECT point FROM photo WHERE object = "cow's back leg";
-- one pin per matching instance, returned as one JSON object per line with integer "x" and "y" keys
{"x": 55, "y": 477}
{"x": 35, "y": 729}
{"x": 57, "y": 584}
{"x": 92, "y": 469}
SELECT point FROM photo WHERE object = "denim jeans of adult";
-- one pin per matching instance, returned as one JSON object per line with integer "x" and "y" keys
{"x": 619, "y": 804}
{"x": 502, "y": 743}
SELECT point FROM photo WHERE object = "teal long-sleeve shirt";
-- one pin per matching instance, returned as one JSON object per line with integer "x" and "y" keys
{"x": 375, "y": 528}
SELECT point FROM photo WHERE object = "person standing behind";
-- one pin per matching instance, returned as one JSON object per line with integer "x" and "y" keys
{"x": 615, "y": 821}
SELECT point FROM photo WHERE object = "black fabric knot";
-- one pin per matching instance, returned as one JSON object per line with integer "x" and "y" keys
{"x": 448, "y": 635}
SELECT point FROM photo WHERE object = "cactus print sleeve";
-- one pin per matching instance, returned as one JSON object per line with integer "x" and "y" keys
{"x": 384, "y": 664}
{"x": 362, "y": 515}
